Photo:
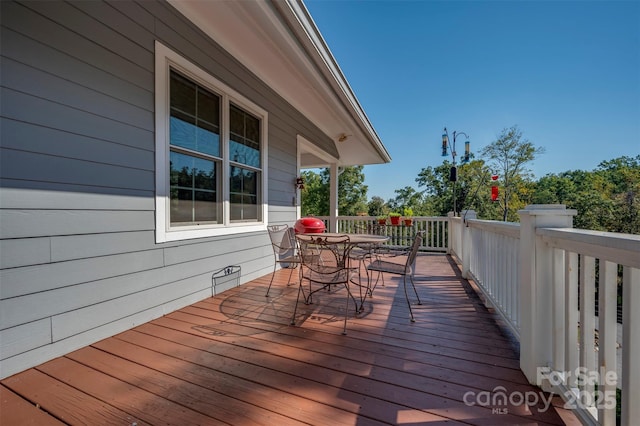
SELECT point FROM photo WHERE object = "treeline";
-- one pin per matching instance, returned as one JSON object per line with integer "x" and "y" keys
{"x": 606, "y": 199}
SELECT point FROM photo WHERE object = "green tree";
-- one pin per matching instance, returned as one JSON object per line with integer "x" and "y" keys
{"x": 606, "y": 199}
{"x": 352, "y": 192}
{"x": 437, "y": 192}
{"x": 621, "y": 177}
{"x": 406, "y": 197}
{"x": 508, "y": 156}
{"x": 377, "y": 206}
{"x": 475, "y": 190}
{"x": 553, "y": 189}
{"x": 315, "y": 195}
{"x": 472, "y": 189}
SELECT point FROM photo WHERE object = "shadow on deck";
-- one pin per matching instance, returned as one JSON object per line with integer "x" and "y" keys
{"x": 235, "y": 359}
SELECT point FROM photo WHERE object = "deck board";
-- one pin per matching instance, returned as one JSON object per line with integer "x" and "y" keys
{"x": 14, "y": 410}
{"x": 235, "y": 359}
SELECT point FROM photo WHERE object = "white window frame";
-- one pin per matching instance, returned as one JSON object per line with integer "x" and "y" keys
{"x": 165, "y": 59}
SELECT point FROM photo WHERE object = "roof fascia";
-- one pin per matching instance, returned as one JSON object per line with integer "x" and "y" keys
{"x": 273, "y": 38}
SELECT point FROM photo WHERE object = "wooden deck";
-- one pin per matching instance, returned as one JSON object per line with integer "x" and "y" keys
{"x": 235, "y": 359}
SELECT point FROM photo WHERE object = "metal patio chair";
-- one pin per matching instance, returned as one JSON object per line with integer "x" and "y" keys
{"x": 363, "y": 253}
{"x": 285, "y": 251}
{"x": 406, "y": 269}
{"x": 325, "y": 263}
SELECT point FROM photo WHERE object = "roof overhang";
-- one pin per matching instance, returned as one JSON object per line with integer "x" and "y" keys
{"x": 279, "y": 42}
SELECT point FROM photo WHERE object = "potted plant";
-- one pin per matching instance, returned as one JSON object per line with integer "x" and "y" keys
{"x": 395, "y": 218}
{"x": 408, "y": 216}
{"x": 382, "y": 220}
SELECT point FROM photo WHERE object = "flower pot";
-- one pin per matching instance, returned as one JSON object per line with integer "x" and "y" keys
{"x": 395, "y": 220}
{"x": 382, "y": 221}
{"x": 408, "y": 222}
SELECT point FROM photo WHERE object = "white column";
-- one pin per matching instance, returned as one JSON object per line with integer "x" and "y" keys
{"x": 466, "y": 242}
{"x": 450, "y": 233}
{"x": 333, "y": 198}
{"x": 536, "y": 286}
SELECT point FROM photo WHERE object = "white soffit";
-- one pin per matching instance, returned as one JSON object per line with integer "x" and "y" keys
{"x": 279, "y": 43}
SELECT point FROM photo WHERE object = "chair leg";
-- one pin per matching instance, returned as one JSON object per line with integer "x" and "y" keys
{"x": 346, "y": 308}
{"x": 414, "y": 289}
{"x": 274, "y": 273}
{"x": 404, "y": 281}
{"x": 346, "y": 312}
{"x": 290, "y": 274}
{"x": 271, "y": 282}
{"x": 367, "y": 289}
{"x": 380, "y": 275}
{"x": 295, "y": 309}
{"x": 371, "y": 288}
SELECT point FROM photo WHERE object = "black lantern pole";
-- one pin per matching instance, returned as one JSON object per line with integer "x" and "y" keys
{"x": 453, "y": 172}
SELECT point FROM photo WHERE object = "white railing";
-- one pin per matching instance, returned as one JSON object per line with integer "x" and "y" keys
{"x": 541, "y": 277}
{"x": 538, "y": 275}
{"x": 581, "y": 261}
{"x": 401, "y": 235}
{"x": 494, "y": 266}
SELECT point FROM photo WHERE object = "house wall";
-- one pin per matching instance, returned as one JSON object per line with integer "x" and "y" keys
{"x": 78, "y": 256}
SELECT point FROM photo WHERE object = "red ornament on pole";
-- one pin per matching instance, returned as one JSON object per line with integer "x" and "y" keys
{"x": 494, "y": 193}
{"x": 494, "y": 188}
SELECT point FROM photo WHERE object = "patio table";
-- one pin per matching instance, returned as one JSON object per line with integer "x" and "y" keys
{"x": 356, "y": 239}
{"x": 367, "y": 242}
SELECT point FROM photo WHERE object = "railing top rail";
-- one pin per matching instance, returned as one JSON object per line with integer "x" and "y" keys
{"x": 509, "y": 229}
{"x": 615, "y": 247}
{"x": 375, "y": 217}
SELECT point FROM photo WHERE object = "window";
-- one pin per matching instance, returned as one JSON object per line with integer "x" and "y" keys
{"x": 210, "y": 154}
{"x": 244, "y": 144}
{"x": 194, "y": 153}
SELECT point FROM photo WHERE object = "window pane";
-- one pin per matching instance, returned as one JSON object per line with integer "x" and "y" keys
{"x": 193, "y": 190}
{"x": 252, "y": 126}
{"x": 244, "y": 144}
{"x": 205, "y": 206}
{"x": 244, "y": 195}
{"x": 181, "y": 205}
{"x": 181, "y": 169}
{"x": 203, "y": 174}
{"x": 183, "y": 94}
{"x": 195, "y": 116}
{"x": 208, "y": 139}
{"x": 183, "y": 132}
{"x": 208, "y": 106}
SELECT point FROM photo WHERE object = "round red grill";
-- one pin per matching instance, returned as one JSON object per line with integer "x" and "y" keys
{"x": 309, "y": 225}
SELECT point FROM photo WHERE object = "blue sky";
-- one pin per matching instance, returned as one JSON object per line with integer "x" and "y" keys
{"x": 567, "y": 73}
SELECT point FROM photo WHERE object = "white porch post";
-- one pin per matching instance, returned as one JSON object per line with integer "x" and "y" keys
{"x": 536, "y": 283}
{"x": 450, "y": 233}
{"x": 333, "y": 197}
{"x": 466, "y": 242}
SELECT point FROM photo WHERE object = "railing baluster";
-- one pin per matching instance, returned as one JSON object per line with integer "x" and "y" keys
{"x": 630, "y": 345}
{"x": 607, "y": 336}
{"x": 571, "y": 315}
{"x": 559, "y": 318}
{"x": 587, "y": 322}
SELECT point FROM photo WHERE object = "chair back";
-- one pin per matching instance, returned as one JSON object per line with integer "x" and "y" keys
{"x": 282, "y": 238}
{"x": 333, "y": 249}
{"x": 413, "y": 253}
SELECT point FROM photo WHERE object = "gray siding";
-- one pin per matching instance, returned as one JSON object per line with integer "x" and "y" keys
{"x": 78, "y": 255}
